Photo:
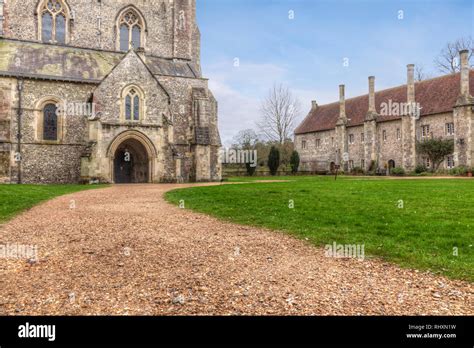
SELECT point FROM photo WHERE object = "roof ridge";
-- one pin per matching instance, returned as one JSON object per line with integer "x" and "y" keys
{"x": 396, "y": 87}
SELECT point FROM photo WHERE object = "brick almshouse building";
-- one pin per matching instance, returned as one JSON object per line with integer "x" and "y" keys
{"x": 362, "y": 128}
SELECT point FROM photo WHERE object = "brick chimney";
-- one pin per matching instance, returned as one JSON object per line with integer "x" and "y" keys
{"x": 464, "y": 72}
{"x": 411, "y": 83}
{"x": 371, "y": 93}
{"x": 342, "y": 102}
{"x": 314, "y": 105}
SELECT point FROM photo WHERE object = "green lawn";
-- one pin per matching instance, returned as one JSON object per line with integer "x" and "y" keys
{"x": 17, "y": 198}
{"x": 437, "y": 216}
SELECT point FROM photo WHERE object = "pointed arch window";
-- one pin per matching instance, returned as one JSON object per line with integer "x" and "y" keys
{"x": 131, "y": 30}
{"x": 133, "y": 106}
{"x": 54, "y": 19}
{"x": 50, "y": 122}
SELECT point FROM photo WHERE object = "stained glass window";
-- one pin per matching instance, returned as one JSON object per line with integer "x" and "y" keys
{"x": 47, "y": 27}
{"x": 136, "y": 33}
{"x": 132, "y": 105}
{"x": 128, "y": 107}
{"x": 50, "y": 122}
{"x": 136, "y": 108}
{"x": 61, "y": 29}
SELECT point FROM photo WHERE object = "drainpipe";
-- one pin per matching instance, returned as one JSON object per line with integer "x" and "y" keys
{"x": 18, "y": 135}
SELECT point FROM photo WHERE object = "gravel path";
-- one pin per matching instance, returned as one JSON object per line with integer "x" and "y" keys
{"x": 123, "y": 250}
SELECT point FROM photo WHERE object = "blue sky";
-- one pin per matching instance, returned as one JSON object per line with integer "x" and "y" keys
{"x": 307, "y": 53}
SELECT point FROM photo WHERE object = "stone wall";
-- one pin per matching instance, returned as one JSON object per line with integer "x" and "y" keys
{"x": 437, "y": 124}
{"x": 314, "y": 158}
{"x": 356, "y": 149}
{"x": 131, "y": 71}
{"x": 392, "y": 148}
{"x": 171, "y": 25}
{"x": 43, "y": 161}
{"x": 178, "y": 122}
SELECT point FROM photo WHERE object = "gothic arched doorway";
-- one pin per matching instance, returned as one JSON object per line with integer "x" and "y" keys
{"x": 131, "y": 163}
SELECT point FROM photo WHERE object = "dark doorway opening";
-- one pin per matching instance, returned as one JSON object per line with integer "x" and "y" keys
{"x": 391, "y": 165}
{"x": 131, "y": 163}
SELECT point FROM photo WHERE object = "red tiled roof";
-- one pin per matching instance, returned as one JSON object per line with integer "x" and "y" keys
{"x": 435, "y": 96}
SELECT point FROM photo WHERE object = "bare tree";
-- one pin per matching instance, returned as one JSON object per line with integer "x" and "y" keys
{"x": 420, "y": 73}
{"x": 448, "y": 60}
{"x": 246, "y": 139}
{"x": 279, "y": 112}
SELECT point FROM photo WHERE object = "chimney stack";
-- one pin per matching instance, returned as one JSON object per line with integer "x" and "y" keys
{"x": 342, "y": 101}
{"x": 371, "y": 93}
{"x": 464, "y": 72}
{"x": 314, "y": 104}
{"x": 411, "y": 83}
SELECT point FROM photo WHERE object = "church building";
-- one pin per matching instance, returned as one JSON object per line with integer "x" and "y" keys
{"x": 106, "y": 91}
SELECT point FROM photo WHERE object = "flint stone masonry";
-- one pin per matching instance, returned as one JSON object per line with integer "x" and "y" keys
{"x": 177, "y": 129}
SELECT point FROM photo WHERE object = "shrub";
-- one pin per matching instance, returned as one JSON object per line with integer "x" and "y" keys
{"x": 460, "y": 171}
{"x": 295, "y": 162}
{"x": 436, "y": 150}
{"x": 372, "y": 168}
{"x": 420, "y": 168}
{"x": 357, "y": 171}
{"x": 274, "y": 160}
{"x": 398, "y": 171}
{"x": 250, "y": 170}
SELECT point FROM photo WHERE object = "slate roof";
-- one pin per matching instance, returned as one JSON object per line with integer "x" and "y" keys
{"x": 435, "y": 96}
{"x": 43, "y": 61}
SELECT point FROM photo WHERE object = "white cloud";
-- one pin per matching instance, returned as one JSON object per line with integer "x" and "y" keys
{"x": 236, "y": 111}
{"x": 239, "y": 91}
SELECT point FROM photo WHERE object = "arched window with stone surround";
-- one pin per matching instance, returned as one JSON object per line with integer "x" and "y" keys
{"x": 53, "y": 23}
{"x": 132, "y": 103}
{"x": 130, "y": 29}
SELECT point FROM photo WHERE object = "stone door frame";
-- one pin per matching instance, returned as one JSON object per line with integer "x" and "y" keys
{"x": 140, "y": 137}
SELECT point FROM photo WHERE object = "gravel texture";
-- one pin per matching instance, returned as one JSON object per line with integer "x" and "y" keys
{"x": 124, "y": 251}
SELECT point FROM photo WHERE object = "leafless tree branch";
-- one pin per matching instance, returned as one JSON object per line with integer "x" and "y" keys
{"x": 448, "y": 60}
{"x": 279, "y": 112}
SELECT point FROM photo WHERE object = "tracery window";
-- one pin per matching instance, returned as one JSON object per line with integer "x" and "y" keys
{"x": 132, "y": 104}
{"x": 131, "y": 29}
{"x": 54, "y": 19}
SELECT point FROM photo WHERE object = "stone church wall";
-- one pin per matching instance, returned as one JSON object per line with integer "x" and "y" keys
{"x": 178, "y": 115}
{"x": 171, "y": 29}
{"x": 42, "y": 161}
